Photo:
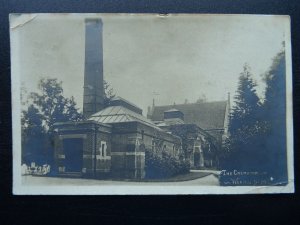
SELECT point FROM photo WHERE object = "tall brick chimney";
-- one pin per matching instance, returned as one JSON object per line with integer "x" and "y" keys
{"x": 93, "y": 97}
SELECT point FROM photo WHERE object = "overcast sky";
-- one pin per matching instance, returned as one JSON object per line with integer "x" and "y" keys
{"x": 167, "y": 58}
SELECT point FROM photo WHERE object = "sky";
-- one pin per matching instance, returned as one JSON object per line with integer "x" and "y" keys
{"x": 168, "y": 58}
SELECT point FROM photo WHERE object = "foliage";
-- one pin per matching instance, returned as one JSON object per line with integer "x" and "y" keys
{"x": 160, "y": 164}
{"x": 108, "y": 93}
{"x": 184, "y": 131}
{"x": 33, "y": 135}
{"x": 244, "y": 149}
{"x": 201, "y": 99}
{"x": 188, "y": 133}
{"x": 275, "y": 116}
{"x": 246, "y": 104}
{"x": 52, "y": 106}
{"x": 164, "y": 165}
{"x": 258, "y": 129}
{"x": 44, "y": 109}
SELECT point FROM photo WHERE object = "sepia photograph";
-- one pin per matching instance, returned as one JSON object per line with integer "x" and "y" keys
{"x": 122, "y": 104}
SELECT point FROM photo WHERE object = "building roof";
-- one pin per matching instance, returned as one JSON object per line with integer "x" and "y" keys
{"x": 172, "y": 110}
{"x": 119, "y": 101}
{"x": 207, "y": 115}
{"x": 120, "y": 114}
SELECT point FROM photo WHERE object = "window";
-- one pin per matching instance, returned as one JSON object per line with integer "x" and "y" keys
{"x": 102, "y": 149}
{"x": 153, "y": 145}
{"x": 142, "y": 132}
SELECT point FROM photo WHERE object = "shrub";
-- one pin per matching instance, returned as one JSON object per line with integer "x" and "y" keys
{"x": 164, "y": 166}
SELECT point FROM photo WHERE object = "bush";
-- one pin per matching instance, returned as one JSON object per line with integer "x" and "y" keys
{"x": 164, "y": 166}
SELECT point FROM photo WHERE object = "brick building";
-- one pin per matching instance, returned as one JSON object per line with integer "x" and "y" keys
{"x": 111, "y": 142}
{"x": 202, "y": 126}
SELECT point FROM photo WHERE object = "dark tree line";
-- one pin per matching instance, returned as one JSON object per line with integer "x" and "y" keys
{"x": 257, "y": 127}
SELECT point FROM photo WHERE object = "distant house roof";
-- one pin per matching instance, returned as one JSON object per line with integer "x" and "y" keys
{"x": 207, "y": 115}
{"x": 120, "y": 114}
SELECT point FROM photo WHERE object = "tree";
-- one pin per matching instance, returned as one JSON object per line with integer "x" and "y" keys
{"x": 52, "y": 105}
{"x": 201, "y": 99}
{"x": 258, "y": 129}
{"x": 246, "y": 103}
{"x": 45, "y": 108}
{"x": 108, "y": 94}
{"x": 244, "y": 149}
{"x": 275, "y": 116}
{"x": 33, "y": 134}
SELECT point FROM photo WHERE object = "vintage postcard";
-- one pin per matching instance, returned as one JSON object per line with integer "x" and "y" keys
{"x": 113, "y": 104}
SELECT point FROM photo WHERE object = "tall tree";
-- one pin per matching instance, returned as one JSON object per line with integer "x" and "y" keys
{"x": 244, "y": 150}
{"x": 275, "y": 115}
{"x": 246, "y": 103}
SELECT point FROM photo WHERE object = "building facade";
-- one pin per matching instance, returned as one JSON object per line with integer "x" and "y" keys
{"x": 199, "y": 147}
{"x": 212, "y": 117}
{"x": 111, "y": 141}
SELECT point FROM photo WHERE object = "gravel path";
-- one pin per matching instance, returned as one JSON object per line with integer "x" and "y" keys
{"x": 210, "y": 180}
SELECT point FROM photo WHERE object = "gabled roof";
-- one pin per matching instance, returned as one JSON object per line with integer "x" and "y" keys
{"x": 120, "y": 114}
{"x": 207, "y": 115}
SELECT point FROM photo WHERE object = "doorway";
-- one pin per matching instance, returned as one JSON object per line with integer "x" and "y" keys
{"x": 73, "y": 149}
{"x": 197, "y": 157}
